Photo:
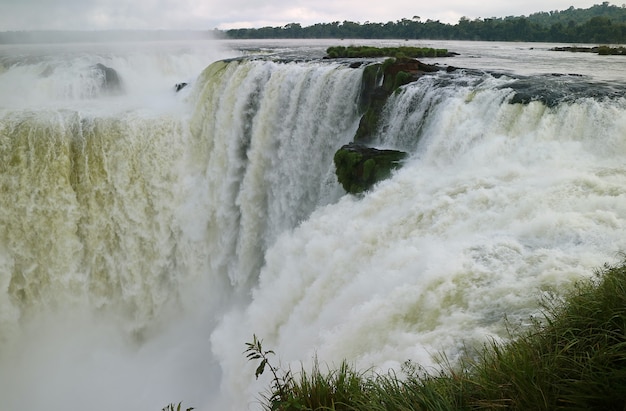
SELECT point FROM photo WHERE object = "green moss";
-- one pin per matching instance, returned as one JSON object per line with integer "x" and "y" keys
{"x": 346, "y": 162}
{"x": 388, "y": 63}
{"x": 373, "y": 52}
{"x": 374, "y": 97}
{"x": 400, "y": 79}
{"x": 358, "y": 168}
{"x": 372, "y": 74}
{"x": 368, "y": 168}
{"x": 367, "y": 125}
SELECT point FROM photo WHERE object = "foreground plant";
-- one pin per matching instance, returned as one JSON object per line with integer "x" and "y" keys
{"x": 173, "y": 407}
{"x": 342, "y": 389}
{"x": 282, "y": 381}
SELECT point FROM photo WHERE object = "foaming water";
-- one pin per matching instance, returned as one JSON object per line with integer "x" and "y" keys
{"x": 499, "y": 204}
{"x": 104, "y": 296}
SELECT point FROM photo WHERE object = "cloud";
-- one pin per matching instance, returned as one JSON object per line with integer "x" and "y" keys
{"x": 101, "y": 14}
{"x": 278, "y": 12}
{"x": 208, "y": 14}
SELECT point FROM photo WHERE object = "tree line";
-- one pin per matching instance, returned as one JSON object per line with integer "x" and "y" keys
{"x": 601, "y": 23}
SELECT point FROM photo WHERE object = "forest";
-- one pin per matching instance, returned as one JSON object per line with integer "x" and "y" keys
{"x": 601, "y": 23}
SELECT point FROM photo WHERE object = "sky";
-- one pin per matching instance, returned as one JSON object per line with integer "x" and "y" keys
{"x": 211, "y": 14}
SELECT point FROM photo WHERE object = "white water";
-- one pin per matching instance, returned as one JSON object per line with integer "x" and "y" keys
{"x": 144, "y": 237}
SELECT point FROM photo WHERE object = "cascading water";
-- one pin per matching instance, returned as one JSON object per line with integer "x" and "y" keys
{"x": 498, "y": 204}
{"x": 145, "y": 236}
{"x": 265, "y": 136}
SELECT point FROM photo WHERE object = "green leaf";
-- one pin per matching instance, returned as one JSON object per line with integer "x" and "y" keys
{"x": 260, "y": 368}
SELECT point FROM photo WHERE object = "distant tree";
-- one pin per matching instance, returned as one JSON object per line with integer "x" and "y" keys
{"x": 601, "y": 23}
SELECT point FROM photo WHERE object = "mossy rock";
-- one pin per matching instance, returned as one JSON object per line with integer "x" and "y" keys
{"x": 370, "y": 52}
{"x": 359, "y": 167}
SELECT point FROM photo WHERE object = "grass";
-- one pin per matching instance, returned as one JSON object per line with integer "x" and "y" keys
{"x": 173, "y": 407}
{"x": 574, "y": 358}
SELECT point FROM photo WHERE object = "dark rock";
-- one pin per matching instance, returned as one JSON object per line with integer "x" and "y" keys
{"x": 47, "y": 71}
{"x": 601, "y": 50}
{"x": 410, "y": 66}
{"x": 359, "y": 167}
{"x": 179, "y": 86}
{"x": 576, "y": 49}
{"x": 109, "y": 79}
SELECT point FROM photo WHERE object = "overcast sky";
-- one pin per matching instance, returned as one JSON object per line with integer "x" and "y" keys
{"x": 210, "y": 14}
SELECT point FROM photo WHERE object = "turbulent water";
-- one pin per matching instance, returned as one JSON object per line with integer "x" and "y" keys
{"x": 147, "y": 234}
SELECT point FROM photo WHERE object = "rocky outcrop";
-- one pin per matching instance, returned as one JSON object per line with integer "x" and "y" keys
{"x": 601, "y": 50}
{"x": 179, "y": 86}
{"x": 379, "y": 81}
{"x": 109, "y": 79}
{"x": 359, "y": 167}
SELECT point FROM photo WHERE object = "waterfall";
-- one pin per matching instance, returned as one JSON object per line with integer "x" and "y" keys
{"x": 141, "y": 245}
{"x": 498, "y": 205}
{"x": 122, "y": 228}
{"x": 264, "y": 138}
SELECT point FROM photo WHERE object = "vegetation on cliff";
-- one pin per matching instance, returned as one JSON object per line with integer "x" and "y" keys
{"x": 573, "y": 358}
{"x": 373, "y": 52}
